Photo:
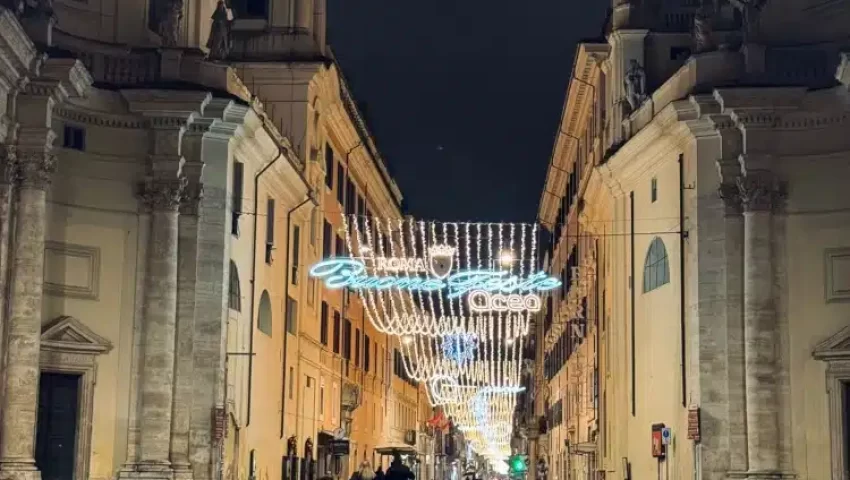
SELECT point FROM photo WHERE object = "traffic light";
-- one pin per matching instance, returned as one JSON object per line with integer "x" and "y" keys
{"x": 518, "y": 464}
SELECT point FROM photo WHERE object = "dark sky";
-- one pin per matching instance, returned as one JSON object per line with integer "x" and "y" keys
{"x": 463, "y": 97}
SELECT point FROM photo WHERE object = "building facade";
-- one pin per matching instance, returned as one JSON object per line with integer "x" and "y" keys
{"x": 722, "y": 330}
{"x": 170, "y": 176}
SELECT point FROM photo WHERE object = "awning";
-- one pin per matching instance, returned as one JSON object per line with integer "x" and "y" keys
{"x": 390, "y": 448}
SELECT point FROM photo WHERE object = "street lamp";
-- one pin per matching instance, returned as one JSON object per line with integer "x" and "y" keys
{"x": 506, "y": 258}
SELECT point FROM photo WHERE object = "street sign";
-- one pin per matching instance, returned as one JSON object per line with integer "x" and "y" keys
{"x": 339, "y": 447}
{"x": 666, "y": 436}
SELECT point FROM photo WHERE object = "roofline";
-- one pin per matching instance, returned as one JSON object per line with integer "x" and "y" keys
{"x": 581, "y": 52}
{"x": 363, "y": 132}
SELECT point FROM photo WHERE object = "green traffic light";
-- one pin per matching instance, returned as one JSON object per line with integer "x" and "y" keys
{"x": 517, "y": 464}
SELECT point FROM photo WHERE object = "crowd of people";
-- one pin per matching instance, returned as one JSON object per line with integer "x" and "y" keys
{"x": 396, "y": 471}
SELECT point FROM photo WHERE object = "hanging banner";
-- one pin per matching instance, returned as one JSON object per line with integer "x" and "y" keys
{"x": 430, "y": 278}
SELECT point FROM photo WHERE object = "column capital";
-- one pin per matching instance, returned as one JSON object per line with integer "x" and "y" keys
{"x": 35, "y": 169}
{"x": 8, "y": 164}
{"x": 731, "y": 196}
{"x": 161, "y": 195}
{"x": 760, "y": 191}
{"x": 191, "y": 198}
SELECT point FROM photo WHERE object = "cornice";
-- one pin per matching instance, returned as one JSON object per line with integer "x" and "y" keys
{"x": 16, "y": 48}
{"x": 81, "y": 115}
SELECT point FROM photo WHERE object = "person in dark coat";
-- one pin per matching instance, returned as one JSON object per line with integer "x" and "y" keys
{"x": 398, "y": 470}
{"x": 379, "y": 473}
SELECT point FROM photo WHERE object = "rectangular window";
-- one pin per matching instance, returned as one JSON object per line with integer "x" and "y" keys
{"x": 350, "y": 196}
{"x": 269, "y": 230}
{"x": 340, "y": 183}
{"x": 74, "y": 138}
{"x": 357, "y": 348}
{"x": 311, "y": 291}
{"x": 236, "y": 199}
{"x": 323, "y": 329}
{"x": 250, "y": 8}
{"x": 314, "y": 225}
{"x": 346, "y": 340}
{"x": 296, "y": 253}
{"x": 366, "y": 352}
{"x": 322, "y": 399}
{"x": 340, "y": 247}
{"x": 654, "y": 187}
{"x": 291, "y": 382}
{"x": 291, "y": 315}
{"x": 329, "y": 166}
{"x": 361, "y": 205}
{"x": 337, "y": 332}
{"x": 327, "y": 240}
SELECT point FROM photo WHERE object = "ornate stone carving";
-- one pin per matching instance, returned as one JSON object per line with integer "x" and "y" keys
{"x": 731, "y": 196}
{"x": 169, "y": 17}
{"x": 750, "y": 10}
{"x": 759, "y": 192}
{"x": 192, "y": 195}
{"x": 635, "y": 83}
{"x": 220, "y": 39}
{"x": 163, "y": 195}
{"x": 8, "y": 164}
{"x": 703, "y": 41}
{"x": 35, "y": 169}
{"x": 16, "y": 6}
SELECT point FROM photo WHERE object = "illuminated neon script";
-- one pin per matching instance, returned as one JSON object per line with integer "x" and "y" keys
{"x": 347, "y": 272}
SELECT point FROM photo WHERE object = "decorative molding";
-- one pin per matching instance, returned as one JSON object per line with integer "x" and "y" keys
{"x": 837, "y": 274}
{"x": 101, "y": 119}
{"x": 836, "y": 352}
{"x": 163, "y": 195}
{"x": 90, "y": 290}
{"x": 69, "y": 335}
{"x": 68, "y": 346}
{"x": 35, "y": 169}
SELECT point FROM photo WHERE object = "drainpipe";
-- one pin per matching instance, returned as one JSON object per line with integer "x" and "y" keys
{"x": 254, "y": 278}
{"x": 280, "y": 154}
{"x": 311, "y": 198}
{"x": 683, "y": 235}
{"x": 632, "y": 291}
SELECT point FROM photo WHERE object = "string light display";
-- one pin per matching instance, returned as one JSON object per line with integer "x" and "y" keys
{"x": 460, "y": 296}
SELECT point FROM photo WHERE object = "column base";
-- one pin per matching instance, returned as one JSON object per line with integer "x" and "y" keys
{"x": 761, "y": 475}
{"x": 146, "y": 471}
{"x": 19, "y": 471}
{"x": 183, "y": 472}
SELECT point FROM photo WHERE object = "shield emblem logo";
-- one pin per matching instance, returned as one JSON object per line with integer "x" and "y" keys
{"x": 441, "y": 260}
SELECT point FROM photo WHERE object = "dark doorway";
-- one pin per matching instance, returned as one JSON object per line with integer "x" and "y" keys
{"x": 845, "y": 415}
{"x": 56, "y": 439}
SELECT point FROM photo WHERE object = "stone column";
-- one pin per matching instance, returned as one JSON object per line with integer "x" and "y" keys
{"x": 20, "y": 402}
{"x": 759, "y": 192}
{"x": 161, "y": 194}
{"x": 8, "y": 170}
{"x": 187, "y": 277}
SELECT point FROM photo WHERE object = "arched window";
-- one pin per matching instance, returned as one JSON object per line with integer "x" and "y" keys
{"x": 264, "y": 314}
{"x": 234, "y": 294}
{"x": 656, "y": 269}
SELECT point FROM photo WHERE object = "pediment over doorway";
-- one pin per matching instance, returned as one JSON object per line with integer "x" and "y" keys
{"x": 68, "y": 334}
{"x": 836, "y": 347}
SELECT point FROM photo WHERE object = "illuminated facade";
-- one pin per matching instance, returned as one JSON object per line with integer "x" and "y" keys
{"x": 159, "y": 311}
{"x": 566, "y": 375}
{"x": 719, "y": 247}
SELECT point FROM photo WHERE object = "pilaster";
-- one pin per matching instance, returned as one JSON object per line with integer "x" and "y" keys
{"x": 163, "y": 190}
{"x": 215, "y": 144}
{"x": 760, "y": 192}
{"x": 187, "y": 277}
{"x": 35, "y": 163}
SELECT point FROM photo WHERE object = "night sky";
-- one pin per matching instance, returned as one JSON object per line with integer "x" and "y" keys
{"x": 463, "y": 97}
